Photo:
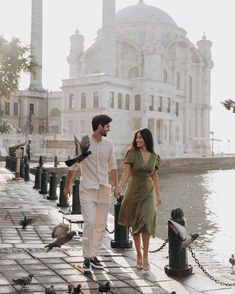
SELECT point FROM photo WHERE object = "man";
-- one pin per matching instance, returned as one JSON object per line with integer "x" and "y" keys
{"x": 95, "y": 189}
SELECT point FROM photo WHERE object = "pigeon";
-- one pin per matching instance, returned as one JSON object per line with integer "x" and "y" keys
{"x": 23, "y": 282}
{"x": 50, "y": 290}
{"x": 232, "y": 260}
{"x": 104, "y": 287}
{"x": 61, "y": 241}
{"x": 183, "y": 234}
{"x": 73, "y": 290}
{"x": 81, "y": 150}
{"x": 25, "y": 222}
{"x": 228, "y": 104}
{"x": 60, "y": 231}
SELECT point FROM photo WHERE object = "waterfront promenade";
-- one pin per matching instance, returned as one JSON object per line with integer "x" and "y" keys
{"x": 22, "y": 252}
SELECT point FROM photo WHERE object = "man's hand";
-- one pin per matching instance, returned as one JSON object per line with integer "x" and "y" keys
{"x": 116, "y": 192}
{"x": 67, "y": 192}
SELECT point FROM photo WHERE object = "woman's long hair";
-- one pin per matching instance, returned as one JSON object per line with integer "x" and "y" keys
{"x": 147, "y": 137}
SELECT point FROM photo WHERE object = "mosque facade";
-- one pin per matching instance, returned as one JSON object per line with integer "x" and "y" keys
{"x": 143, "y": 71}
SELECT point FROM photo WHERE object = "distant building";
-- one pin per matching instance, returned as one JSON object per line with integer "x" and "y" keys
{"x": 144, "y": 72}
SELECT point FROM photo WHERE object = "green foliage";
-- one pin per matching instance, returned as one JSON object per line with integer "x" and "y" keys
{"x": 5, "y": 127}
{"x": 14, "y": 59}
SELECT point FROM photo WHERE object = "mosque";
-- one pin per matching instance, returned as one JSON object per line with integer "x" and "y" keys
{"x": 141, "y": 70}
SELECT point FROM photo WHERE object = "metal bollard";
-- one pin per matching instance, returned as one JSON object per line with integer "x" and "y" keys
{"x": 63, "y": 202}
{"x": 26, "y": 172}
{"x": 7, "y": 162}
{"x": 53, "y": 187}
{"x": 178, "y": 259}
{"x": 22, "y": 168}
{"x": 56, "y": 161}
{"x": 44, "y": 182}
{"x": 76, "y": 206}
{"x": 121, "y": 233}
{"x": 13, "y": 164}
{"x": 38, "y": 176}
{"x": 40, "y": 163}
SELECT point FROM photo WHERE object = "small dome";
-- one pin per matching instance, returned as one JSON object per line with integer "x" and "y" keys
{"x": 143, "y": 13}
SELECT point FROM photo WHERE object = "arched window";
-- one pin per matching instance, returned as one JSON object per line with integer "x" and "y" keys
{"x": 119, "y": 101}
{"x": 160, "y": 104}
{"x": 127, "y": 101}
{"x": 111, "y": 99}
{"x": 137, "y": 102}
{"x": 83, "y": 100}
{"x": 151, "y": 104}
{"x": 168, "y": 105}
{"x": 31, "y": 108}
{"x": 71, "y": 101}
{"x": 177, "y": 109}
{"x": 178, "y": 81}
{"x": 133, "y": 72}
{"x": 190, "y": 92}
{"x": 15, "y": 109}
{"x": 164, "y": 75}
{"x": 7, "y": 108}
{"x": 96, "y": 99}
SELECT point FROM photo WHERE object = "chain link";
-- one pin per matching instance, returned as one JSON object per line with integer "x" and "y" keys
{"x": 110, "y": 232}
{"x": 206, "y": 273}
{"x": 160, "y": 248}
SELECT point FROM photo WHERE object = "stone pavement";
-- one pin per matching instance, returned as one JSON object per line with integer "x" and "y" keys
{"x": 22, "y": 252}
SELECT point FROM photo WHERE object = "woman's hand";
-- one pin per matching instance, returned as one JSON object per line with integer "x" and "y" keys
{"x": 158, "y": 203}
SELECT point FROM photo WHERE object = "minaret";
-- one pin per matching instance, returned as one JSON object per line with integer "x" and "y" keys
{"x": 108, "y": 41}
{"x": 36, "y": 44}
{"x": 76, "y": 50}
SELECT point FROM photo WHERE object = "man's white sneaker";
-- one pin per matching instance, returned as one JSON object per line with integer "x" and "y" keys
{"x": 95, "y": 263}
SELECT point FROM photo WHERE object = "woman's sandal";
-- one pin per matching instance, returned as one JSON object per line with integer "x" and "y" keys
{"x": 139, "y": 263}
{"x": 146, "y": 266}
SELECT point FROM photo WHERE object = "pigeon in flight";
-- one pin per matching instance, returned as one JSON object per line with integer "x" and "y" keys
{"x": 185, "y": 236}
{"x": 228, "y": 104}
{"x": 61, "y": 241}
{"x": 50, "y": 290}
{"x": 60, "y": 231}
{"x": 104, "y": 287}
{"x": 25, "y": 222}
{"x": 232, "y": 260}
{"x": 81, "y": 150}
{"x": 73, "y": 290}
{"x": 23, "y": 282}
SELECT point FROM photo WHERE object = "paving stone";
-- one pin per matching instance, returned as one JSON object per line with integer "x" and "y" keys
{"x": 50, "y": 279}
{"x": 7, "y": 290}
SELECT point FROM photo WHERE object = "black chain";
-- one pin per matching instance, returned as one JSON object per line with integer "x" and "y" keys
{"x": 160, "y": 248}
{"x": 110, "y": 232}
{"x": 206, "y": 273}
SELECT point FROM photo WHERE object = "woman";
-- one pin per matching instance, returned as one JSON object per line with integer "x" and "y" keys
{"x": 138, "y": 209}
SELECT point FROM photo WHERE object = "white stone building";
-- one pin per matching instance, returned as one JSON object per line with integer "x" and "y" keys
{"x": 142, "y": 71}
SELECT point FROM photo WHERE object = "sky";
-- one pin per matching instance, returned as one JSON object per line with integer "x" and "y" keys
{"x": 215, "y": 18}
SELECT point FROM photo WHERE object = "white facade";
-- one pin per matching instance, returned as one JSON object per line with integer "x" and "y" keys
{"x": 143, "y": 72}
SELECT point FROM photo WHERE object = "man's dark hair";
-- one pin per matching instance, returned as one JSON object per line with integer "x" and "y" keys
{"x": 100, "y": 119}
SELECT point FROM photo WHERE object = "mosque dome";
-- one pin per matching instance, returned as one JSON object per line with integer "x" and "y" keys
{"x": 143, "y": 13}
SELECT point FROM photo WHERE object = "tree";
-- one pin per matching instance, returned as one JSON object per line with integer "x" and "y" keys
{"x": 14, "y": 59}
{"x": 5, "y": 127}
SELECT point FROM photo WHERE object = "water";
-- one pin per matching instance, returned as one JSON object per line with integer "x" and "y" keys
{"x": 207, "y": 199}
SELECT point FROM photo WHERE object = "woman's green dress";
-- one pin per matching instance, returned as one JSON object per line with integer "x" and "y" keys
{"x": 138, "y": 209}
